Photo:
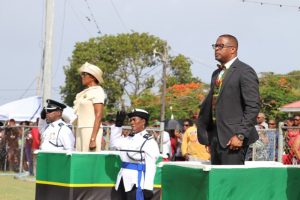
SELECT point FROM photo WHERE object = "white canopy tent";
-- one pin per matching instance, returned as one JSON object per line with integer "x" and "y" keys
{"x": 29, "y": 109}
{"x": 3, "y": 116}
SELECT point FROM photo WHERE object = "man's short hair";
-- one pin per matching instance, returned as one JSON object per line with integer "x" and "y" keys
{"x": 232, "y": 39}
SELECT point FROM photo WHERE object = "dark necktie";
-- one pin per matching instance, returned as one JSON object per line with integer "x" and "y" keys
{"x": 220, "y": 77}
{"x": 221, "y": 66}
{"x": 218, "y": 85}
{"x": 131, "y": 134}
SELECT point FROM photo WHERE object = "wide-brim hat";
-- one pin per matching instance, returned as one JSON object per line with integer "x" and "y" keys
{"x": 139, "y": 113}
{"x": 93, "y": 70}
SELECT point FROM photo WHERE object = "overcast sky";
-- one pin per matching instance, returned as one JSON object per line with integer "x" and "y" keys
{"x": 268, "y": 34}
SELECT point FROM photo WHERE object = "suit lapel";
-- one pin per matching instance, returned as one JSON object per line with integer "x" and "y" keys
{"x": 228, "y": 74}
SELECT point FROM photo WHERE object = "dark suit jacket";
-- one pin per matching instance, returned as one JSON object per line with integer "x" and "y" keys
{"x": 237, "y": 106}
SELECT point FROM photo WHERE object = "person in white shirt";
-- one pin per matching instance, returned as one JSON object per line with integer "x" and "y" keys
{"x": 166, "y": 142}
{"x": 261, "y": 123}
{"x": 57, "y": 135}
{"x": 139, "y": 153}
{"x": 116, "y": 129}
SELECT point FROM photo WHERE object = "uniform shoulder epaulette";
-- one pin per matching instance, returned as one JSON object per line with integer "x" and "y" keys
{"x": 147, "y": 136}
{"x": 61, "y": 124}
{"x": 69, "y": 126}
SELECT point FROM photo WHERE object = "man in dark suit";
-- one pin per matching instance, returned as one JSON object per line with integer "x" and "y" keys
{"x": 228, "y": 114}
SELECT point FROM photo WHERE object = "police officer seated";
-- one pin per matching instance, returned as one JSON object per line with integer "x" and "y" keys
{"x": 57, "y": 135}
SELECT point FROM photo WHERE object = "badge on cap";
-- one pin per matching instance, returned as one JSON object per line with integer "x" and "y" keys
{"x": 54, "y": 105}
{"x": 139, "y": 113}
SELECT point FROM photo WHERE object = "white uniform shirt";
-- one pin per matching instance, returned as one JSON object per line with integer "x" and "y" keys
{"x": 57, "y": 136}
{"x": 167, "y": 149}
{"x": 42, "y": 125}
{"x": 115, "y": 135}
{"x": 130, "y": 177}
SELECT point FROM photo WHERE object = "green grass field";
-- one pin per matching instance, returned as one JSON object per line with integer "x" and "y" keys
{"x": 16, "y": 189}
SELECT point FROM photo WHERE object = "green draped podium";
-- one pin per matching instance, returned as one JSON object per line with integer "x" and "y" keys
{"x": 230, "y": 183}
{"x": 80, "y": 176}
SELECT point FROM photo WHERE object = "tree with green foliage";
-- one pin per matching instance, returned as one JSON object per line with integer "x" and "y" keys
{"x": 184, "y": 99}
{"x": 123, "y": 59}
{"x": 294, "y": 77}
{"x": 276, "y": 91}
{"x": 149, "y": 101}
{"x": 127, "y": 62}
{"x": 180, "y": 71}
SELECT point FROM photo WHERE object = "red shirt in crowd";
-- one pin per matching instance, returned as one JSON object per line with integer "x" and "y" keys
{"x": 35, "y": 138}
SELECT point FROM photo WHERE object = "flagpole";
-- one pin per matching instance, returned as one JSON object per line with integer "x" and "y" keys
{"x": 47, "y": 72}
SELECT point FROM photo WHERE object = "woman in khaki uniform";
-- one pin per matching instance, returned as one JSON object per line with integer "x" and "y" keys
{"x": 88, "y": 107}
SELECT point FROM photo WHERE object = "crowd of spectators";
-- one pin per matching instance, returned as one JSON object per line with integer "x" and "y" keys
{"x": 179, "y": 143}
{"x": 11, "y": 137}
{"x": 266, "y": 148}
{"x": 291, "y": 148}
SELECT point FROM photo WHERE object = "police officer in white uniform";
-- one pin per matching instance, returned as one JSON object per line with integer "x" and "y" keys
{"x": 57, "y": 135}
{"x": 139, "y": 153}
